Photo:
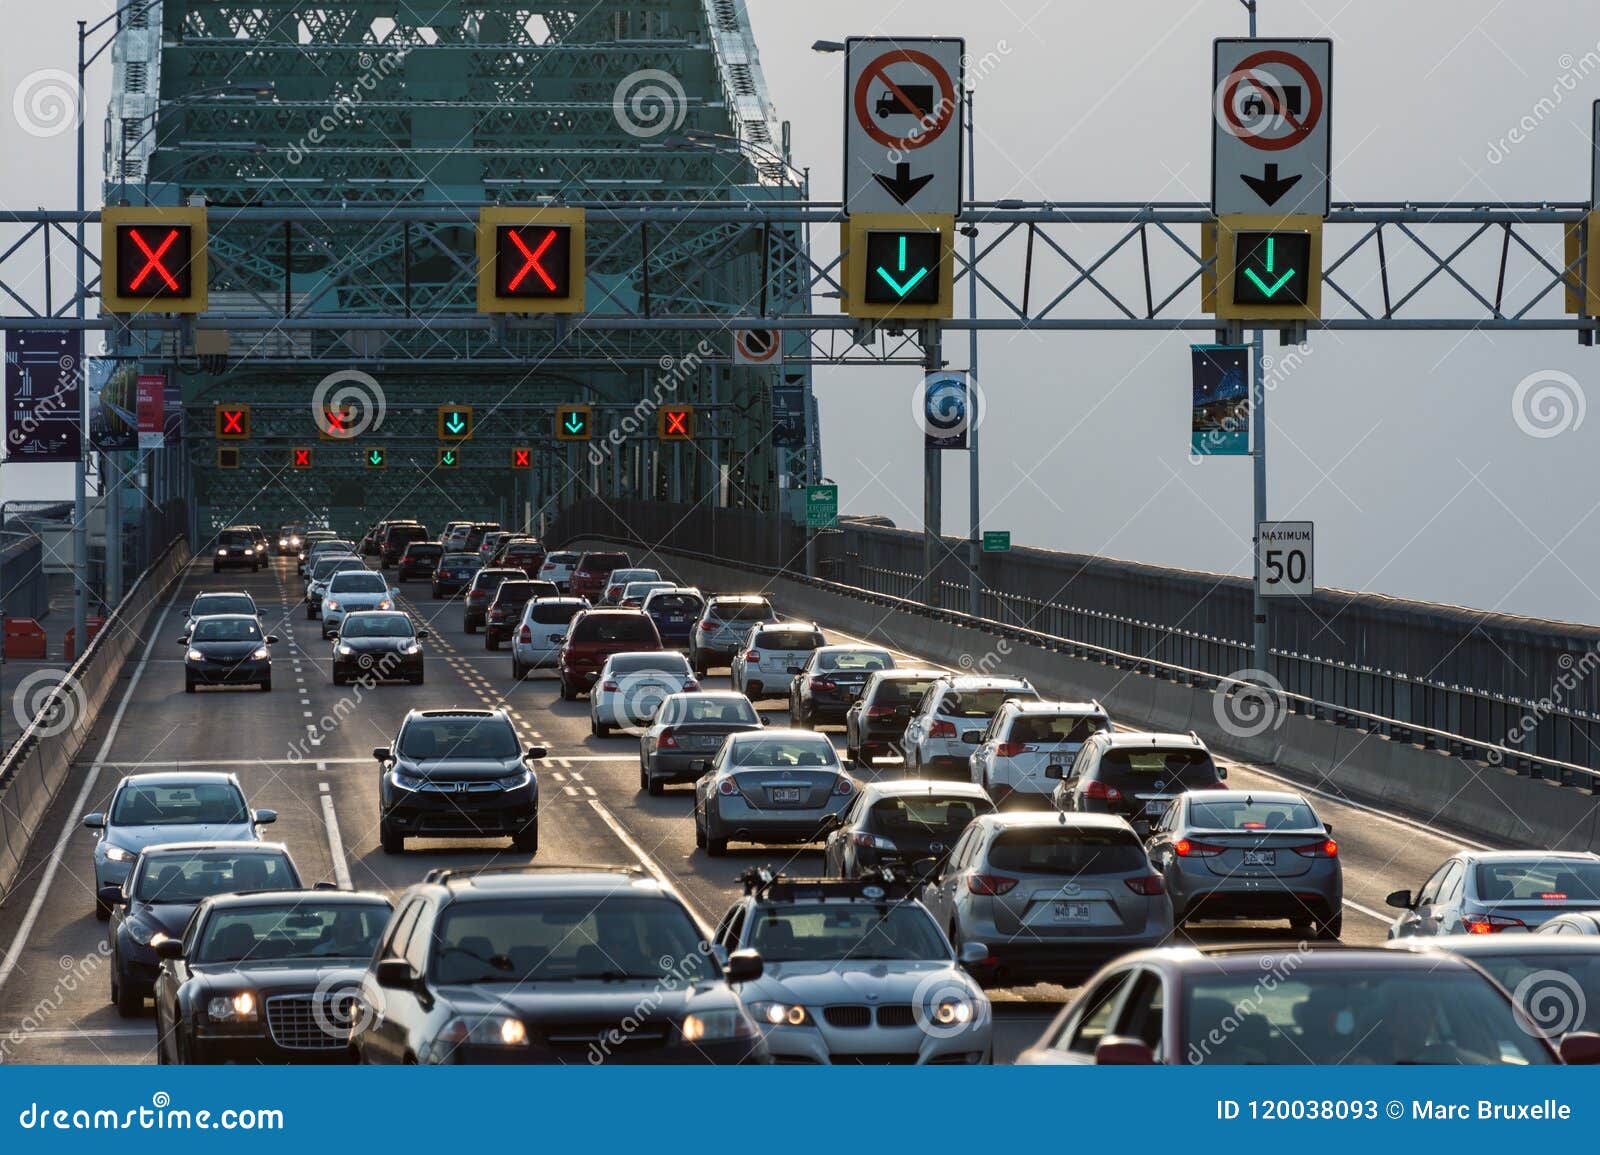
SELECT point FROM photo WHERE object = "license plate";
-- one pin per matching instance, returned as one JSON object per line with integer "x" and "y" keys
{"x": 786, "y": 794}
{"x": 705, "y": 741}
{"x": 1155, "y": 807}
{"x": 1070, "y": 911}
{"x": 1261, "y": 858}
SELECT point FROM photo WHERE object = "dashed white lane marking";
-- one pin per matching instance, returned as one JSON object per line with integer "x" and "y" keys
{"x": 570, "y": 791}
{"x": 34, "y": 1036}
{"x": 650, "y": 864}
{"x": 202, "y": 763}
{"x": 341, "y": 868}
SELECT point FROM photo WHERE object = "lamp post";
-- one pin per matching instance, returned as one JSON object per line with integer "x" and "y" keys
{"x": 1259, "y": 637}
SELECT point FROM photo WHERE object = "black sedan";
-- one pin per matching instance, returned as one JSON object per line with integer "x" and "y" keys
{"x": 378, "y": 645}
{"x": 419, "y": 560}
{"x": 269, "y": 977}
{"x": 831, "y": 680}
{"x": 227, "y": 650}
{"x": 454, "y": 573}
{"x": 161, "y": 892}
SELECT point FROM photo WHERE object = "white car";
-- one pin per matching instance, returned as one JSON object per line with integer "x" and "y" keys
{"x": 1024, "y": 740}
{"x": 856, "y": 971}
{"x": 354, "y": 590}
{"x": 632, "y": 685}
{"x": 635, "y": 593}
{"x": 772, "y": 654}
{"x": 537, "y": 639}
{"x": 618, "y": 581}
{"x": 950, "y": 721}
{"x": 557, "y": 567}
{"x": 319, "y": 575}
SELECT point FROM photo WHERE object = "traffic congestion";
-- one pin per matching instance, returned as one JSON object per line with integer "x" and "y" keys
{"x": 922, "y": 861}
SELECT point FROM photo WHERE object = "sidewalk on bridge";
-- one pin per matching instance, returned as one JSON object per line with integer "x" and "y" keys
{"x": 18, "y": 675}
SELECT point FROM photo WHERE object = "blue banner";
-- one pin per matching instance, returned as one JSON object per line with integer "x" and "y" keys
{"x": 1220, "y": 416}
{"x": 44, "y": 395}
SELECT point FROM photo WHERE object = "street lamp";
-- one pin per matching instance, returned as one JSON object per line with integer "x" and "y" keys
{"x": 827, "y": 46}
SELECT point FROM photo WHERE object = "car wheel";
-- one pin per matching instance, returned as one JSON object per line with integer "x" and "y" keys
{"x": 338, "y": 678}
{"x": 434, "y": 590}
{"x": 266, "y": 686}
{"x": 311, "y": 614}
{"x": 102, "y": 911}
{"x": 188, "y": 685}
{"x": 566, "y": 691}
{"x": 490, "y": 642}
{"x": 129, "y": 1005}
{"x": 699, "y": 835}
{"x": 164, "y": 1034}
{"x": 215, "y": 568}
{"x": 416, "y": 679}
{"x": 516, "y": 670}
{"x": 697, "y": 663}
{"x": 599, "y": 729}
{"x": 716, "y": 847}
{"x": 526, "y": 840}
{"x": 469, "y": 627}
{"x": 1330, "y": 929}
{"x": 644, "y": 775}
{"x": 393, "y": 841}
{"x": 654, "y": 786}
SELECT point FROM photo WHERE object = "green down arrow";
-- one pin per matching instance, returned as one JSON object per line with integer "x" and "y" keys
{"x": 449, "y": 457}
{"x": 1266, "y": 289}
{"x": 455, "y": 423}
{"x": 902, "y": 290}
{"x": 574, "y": 423}
{"x": 375, "y": 457}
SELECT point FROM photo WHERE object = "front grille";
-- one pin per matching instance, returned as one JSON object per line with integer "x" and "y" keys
{"x": 296, "y": 1024}
{"x": 848, "y": 1015}
{"x": 585, "y": 1034}
{"x": 885, "y": 1059}
{"x": 896, "y": 1015}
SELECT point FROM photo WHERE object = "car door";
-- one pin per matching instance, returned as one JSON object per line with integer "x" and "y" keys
{"x": 384, "y": 1041}
{"x": 1447, "y": 907}
{"x": 939, "y": 895}
{"x": 1143, "y": 1014}
{"x": 1422, "y": 919}
{"x": 982, "y": 758}
{"x": 1092, "y": 1018}
{"x": 836, "y": 846}
{"x": 1159, "y": 843}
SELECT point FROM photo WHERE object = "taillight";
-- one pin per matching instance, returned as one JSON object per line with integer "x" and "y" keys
{"x": 1325, "y": 849}
{"x": 690, "y": 684}
{"x": 990, "y": 884}
{"x": 871, "y": 841}
{"x": 843, "y": 786}
{"x": 942, "y": 730}
{"x": 1010, "y": 749}
{"x": 880, "y": 711}
{"x": 668, "y": 740}
{"x": 1150, "y": 884}
{"x": 1101, "y": 791}
{"x": 610, "y": 687}
{"x": 823, "y": 684}
{"x": 525, "y": 635}
{"x": 1490, "y": 923}
{"x": 752, "y": 655}
{"x": 725, "y": 786}
{"x": 1187, "y": 849}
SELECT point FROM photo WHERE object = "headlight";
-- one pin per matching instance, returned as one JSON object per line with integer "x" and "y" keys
{"x": 406, "y": 781}
{"x": 386, "y": 604}
{"x": 951, "y": 1012}
{"x": 713, "y": 1026}
{"x": 222, "y": 553}
{"x": 781, "y": 1014}
{"x": 344, "y": 651}
{"x": 142, "y": 932}
{"x": 282, "y": 541}
{"x": 330, "y": 604}
{"x": 239, "y": 1008}
{"x": 260, "y": 655}
{"x": 117, "y": 854}
{"x": 484, "y": 1031}
{"x": 513, "y": 781}
{"x": 249, "y": 550}
{"x": 410, "y": 647}
{"x": 195, "y": 656}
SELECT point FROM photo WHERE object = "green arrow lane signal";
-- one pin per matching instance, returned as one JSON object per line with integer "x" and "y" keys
{"x": 901, "y": 290}
{"x": 574, "y": 423}
{"x": 376, "y": 459}
{"x": 449, "y": 458}
{"x": 903, "y": 266}
{"x": 1271, "y": 268}
{"x": 454, "y": 423}
{"x": 1270, "y": 290}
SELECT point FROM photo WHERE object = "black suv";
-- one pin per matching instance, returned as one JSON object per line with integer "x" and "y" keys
{"x": 418, "y": 560}
{"x": 572, "y": 965}
{"x": 395, "y": 539}
{"x": 235, "y": 548}
{"x": 458, "y": 774}
{"x": 505, "y": 608}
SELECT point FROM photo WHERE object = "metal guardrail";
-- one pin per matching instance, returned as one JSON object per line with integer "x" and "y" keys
{"x": 1360, "y": 717}
{"x": 32, "y": 771}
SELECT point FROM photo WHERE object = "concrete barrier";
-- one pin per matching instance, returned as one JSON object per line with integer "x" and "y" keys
{"x": 1473, "y": 798}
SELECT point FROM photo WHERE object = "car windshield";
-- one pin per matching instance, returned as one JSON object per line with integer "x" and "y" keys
{"x": 222, "y": 604}
{"x": 787, "y": 640}
{"x": 1355, "y": 1016}
{"x": 927, "y": 816}
{"x": 684, "y": 604}
{"x": 983, "y": 703}
{"x": 292, "y": 930}
{"x": 225, "y": 630}
{"x": 666, "y": 661}
{"x": 358, "y": 583}
{"x": 1054, "y": 729}
{"x": 1252, "y": 814}
{"x": 784, "y": 751}
{"x": 551, "y": 940}
{"x": 1557, "y": 975}
{"x": 376, "y": 626}
{"x": 329, "y": 566}
{"x": 723, "y": 711}
{"x": 431, "y": 739}
{"x": 739, "y": 611}
{"x": 553, "y": 613}
{"x": 1539, "y": 880}
{"x": 332, "y": 545}
{"x": 188, "y": 804}
{"x": 615, "y": 628}
{"x": 190, "y": 876}
{"x": 856, "y": 931}
{"x": 1067, "y": 850}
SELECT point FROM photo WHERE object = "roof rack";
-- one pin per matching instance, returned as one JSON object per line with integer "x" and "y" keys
{"x": 443, "y": 874}
{"x": 879, "y": 884}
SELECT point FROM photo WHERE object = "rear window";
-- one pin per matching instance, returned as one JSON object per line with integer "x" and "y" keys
{"x": 900, "y": 692}
{"x": 603, "y": 562}
{"x": 1055, "y": 728}
{"x": 553, "y": 614}
{"x": 739, "y": 611}
{"x": 855, "y": 662}
{"x": 617, "y": 628}
{"x": 526, "y": 549}
{"x": 514, "y": 591}
{"x": 674, "y": 604}
{"x": 978, "y": 703}
{"x": 424, "y": 549}
{"x": 1187, "y": 768}
{"x": 788, "y": 640}
{"x": 1250, "y": 814}
{"x": 928, "y": 816}
{"x": 222, "y": 604}
{"x": 403, "y": 533}
{"x": 1547, "y": 879}
{"x": 561, "y": 558}
{"x": 666, "y": 660}
{"x": 1064, "y": 850}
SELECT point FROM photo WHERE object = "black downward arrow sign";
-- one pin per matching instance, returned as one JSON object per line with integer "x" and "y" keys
{"x": 902, "y": 185}
{"x": 1268, "y": 186}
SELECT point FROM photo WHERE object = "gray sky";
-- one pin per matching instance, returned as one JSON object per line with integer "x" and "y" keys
{"x": 1403, "y": 448}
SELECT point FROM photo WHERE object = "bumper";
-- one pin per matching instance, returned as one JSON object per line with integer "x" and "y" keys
{"x": 601, "y": 1052}
{"x": 579, "y": 677}
{"x": 245, "y": 673}
{"x": 236, "y": 1048}
{"x": 677, "y": 765}
{"x": 957, "y": 767}
{"x": 1023, "y": 795}
{"x": 139, "y": 967}
{"x": 426, "y": 814}
{"x": 379, "y": 666}
{"x": 830, "y": 707}
{"x": 415, "y": 571}
{"x": 472, "y": 617}
{"x": 1031, "y": 960}
{"x": 732, "y": 818}
{"x": 232, "y": 561}
{"x": 108, "y": 873}
{"x": 1245, "y": 898}
{"x": 534, "y": 656}
{"x": 874, "y": 1046}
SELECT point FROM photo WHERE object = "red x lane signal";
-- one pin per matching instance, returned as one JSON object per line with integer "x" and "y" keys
{"x": 521, "y": 458}
{"x": 533, "y": 262}
{"x": 153, "y": 261}
{"x": 530, "y": 259}
{"x": 302, "y": 458}
{"x": 675, "y": 423}
{"x": 337, "y": 424}
{"x": 233, "y": 422}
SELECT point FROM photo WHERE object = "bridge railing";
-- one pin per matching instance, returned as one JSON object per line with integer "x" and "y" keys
{"x": 1548, "y": 728}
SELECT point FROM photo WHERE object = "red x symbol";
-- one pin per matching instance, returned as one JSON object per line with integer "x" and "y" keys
{"x": 530, "y": 260}
{"x": 335, "y": 421}
{"x": 152, "y": 260}
{"x": 520, "y": 459}
{"x": 232, "y": 421}
{"x": 678, "y": 422}
{"x": 302, "y": 458}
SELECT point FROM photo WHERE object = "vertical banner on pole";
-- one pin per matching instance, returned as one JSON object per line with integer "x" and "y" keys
{"x": 1219, "y": 423}
{"x": 152, "y": 394}
{"x": 172, "y": 413}
{"x": 111, "y": 404}
{"x": 44, "y": 395}
{"x": 947, "y": 410}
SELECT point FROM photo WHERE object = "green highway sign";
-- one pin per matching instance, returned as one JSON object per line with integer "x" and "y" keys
{"x": 997, "y": 541}
{"x": 1271, "y": 268}
{"x": 822, "y": 506}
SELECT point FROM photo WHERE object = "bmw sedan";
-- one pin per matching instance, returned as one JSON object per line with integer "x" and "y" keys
{"x": 378, "y": 645}
{"x": 770, "y": 786}
{"x": 227, "y": 650}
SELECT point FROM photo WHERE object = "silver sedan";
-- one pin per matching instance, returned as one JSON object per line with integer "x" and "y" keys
{"x": 770, "y": 786}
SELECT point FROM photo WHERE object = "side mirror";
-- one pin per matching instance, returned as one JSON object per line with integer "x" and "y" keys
{"x": 535, "y": 752}
{"x": 272, "y": 639}
{"x": 422, "y": 633}
{"x": 744, "y": 966}
{"x": 264, "y": 817}
{"x": 395, "y": 974}
{"x": 110, "y": 895}
{"x": 183, "y": 641}
{"x": 1581, "y": 1049}
{"x": 382, "y": 753}
{"x": 974, "y": 953}
{"x": 766, "y": 721}
{"x": 927, "y": 869}
{"x": 1222, "y": 773}
{"x": 1053, "y": 772}
{"x": 325, "y": 885}
{"x": 1401, "y": 900}
{"x": 95, "y": 821}
{"x": 1118, "y": 1051}
{"x": 169, "y": 948}
{"x": 795, "y": 669}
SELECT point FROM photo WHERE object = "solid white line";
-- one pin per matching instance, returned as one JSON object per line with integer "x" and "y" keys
{"x": 341, "y": 868}
{"x": 84, "y": 1033}
{"x": 14, "y": 952}
{"x": 649, "y": 863}
{"x": 198, "y": 763}
{"x": 1369, "y": 912}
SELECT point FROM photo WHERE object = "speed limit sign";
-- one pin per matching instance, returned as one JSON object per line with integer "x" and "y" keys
{"x": 1284, "y": 555}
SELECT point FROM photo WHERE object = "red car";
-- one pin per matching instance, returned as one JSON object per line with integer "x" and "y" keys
{"x": 589, "y": 578}
{"x": 593, "y": 636}
{"x": 528, "y": 556}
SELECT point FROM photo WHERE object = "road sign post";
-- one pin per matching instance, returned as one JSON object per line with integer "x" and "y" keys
{"x": 903, "y": 125}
